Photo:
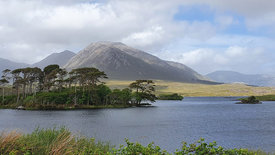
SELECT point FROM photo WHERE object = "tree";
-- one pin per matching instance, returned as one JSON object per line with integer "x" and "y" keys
{"x": 35, "y": 75}
{"x": 88, "y": 78}
{"x": 49, "y": 76}
{"x": 61, "y": 74}
{"x": 118, "y": 96}
{"x": 3, "y": 81}
{"x": 17, "y": 81}
{"x": 144, "y": 90}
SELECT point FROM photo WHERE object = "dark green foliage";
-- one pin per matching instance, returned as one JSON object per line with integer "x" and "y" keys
{"x": 174, "y": 96}
{"x": 8, "y": 99}
{"x": 120, "y": 96}
{"x": 250, "y": 100}
{"x": 49, "y": 69}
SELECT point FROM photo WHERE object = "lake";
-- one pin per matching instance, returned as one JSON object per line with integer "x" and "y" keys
{"x": 168, "y": 123}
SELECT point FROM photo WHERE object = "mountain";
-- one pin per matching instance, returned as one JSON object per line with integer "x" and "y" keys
{"x": 56, "y": 58}
{"x": 122, "y": 62}
{"x": 7, "y": 64}
{"x": 249, "y": 79}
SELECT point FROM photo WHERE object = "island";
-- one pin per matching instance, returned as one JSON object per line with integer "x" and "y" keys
{"x": 173, "y": 96}
{"x": 249, "y": 100}
{"x": 53, "y": 88}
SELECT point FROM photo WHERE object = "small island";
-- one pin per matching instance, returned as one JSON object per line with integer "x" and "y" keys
{"x": 249, "y": 100}
{"x": 173, "y": 96}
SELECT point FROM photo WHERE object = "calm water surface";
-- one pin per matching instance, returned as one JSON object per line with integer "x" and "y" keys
{"x": 167, "y": 124}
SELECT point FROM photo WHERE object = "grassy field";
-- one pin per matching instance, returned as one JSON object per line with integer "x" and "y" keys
{"x": 187, "y": 89}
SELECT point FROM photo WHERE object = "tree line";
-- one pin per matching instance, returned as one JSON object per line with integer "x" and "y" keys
{"x": 82, "y": 86}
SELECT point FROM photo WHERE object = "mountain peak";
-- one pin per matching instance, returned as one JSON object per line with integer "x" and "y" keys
{"x": 55, "y": 58}
{"x": 120, "y": 61}
{"x": 101, "y": 44}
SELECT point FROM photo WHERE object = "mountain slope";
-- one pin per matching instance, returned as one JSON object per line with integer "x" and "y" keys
{"x": 7, "y": 64}
{"x": 125, "y": 63}
{"x": 250, "y": 79}
{"x": 56, "y": 58}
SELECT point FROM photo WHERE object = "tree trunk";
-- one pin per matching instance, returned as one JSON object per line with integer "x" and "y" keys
{"x": 17, "y": 91}
{"x": 75, "y": 94}
{"x": 3, "y": 95}
{"x": 30, "y": 89}
{"x": 24, "y": 91}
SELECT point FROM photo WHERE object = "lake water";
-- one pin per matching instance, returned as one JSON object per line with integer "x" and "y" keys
{"x": 167, "y": 124}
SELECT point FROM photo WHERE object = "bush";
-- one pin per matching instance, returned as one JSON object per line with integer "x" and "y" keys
{"x": 138, "y": 149}
{"x": 202, "y": 148}
{"x": 8, "y": 99}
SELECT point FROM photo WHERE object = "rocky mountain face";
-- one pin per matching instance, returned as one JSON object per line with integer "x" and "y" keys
{"x": 56, "y": 58}
{"x": 126, "y": 63}
{"x": 235, "y": 77}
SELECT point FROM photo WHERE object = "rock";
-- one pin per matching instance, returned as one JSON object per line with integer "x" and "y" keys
{"x": 20, "y": 108}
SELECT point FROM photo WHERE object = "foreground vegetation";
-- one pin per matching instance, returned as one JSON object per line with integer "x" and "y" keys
{"x": 193, "y": 90}
{"x": 55, "y": 88}
{"x": 62, "y": 142}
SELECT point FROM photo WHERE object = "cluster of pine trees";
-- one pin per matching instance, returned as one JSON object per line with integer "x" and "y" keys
{"x": 55, "y": 86}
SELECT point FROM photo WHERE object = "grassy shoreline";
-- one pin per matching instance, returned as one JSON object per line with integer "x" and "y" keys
{"x": 62, "y": 141}
{"x": 68, "y": 107}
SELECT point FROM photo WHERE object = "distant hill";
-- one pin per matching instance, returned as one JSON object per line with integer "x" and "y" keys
{"x": 235, "y": 77}
{"x": 56, "y": 58}
{"x": 122, "y": 62}
{"x": 7, "y": 64}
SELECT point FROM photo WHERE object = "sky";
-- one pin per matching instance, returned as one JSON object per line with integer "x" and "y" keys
{"x": 207, "y": 35}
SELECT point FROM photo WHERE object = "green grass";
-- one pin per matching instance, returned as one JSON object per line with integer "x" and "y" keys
{"x": 62, "y": 142}
{"x": 189, "y": 89}
{"x": 266, "y": 98}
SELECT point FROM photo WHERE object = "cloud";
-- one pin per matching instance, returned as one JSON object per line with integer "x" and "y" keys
{"x": 49, "y": 26}
{"x": 243, "y": 59}
{"x": 31, "y": 30}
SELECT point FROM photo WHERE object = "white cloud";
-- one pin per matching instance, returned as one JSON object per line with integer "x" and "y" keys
{"x": 236, "y": 58}
{"x": 34, "y": 29}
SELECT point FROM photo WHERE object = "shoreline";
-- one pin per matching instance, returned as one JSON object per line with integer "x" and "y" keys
{"x": 68, "y": 108}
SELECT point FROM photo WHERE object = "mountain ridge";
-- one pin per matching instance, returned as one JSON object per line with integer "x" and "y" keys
{"x": 122, "y": 62}
{"x": 236, "y": 77}
{"x": 60, "y": 59}
{"x": 8, "y": 64}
